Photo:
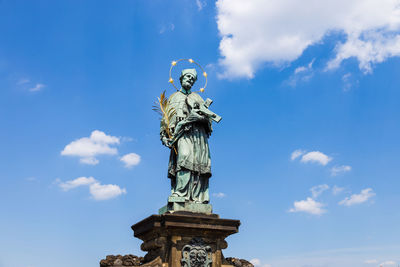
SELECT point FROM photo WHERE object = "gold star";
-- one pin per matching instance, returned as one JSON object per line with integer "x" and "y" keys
{"x": 171, "y": 80}
{"x": 190, "y": 60}
{"x": 204, "y": 74}
{"x": 202, "y": 90}
{"x": 173, "y": 63}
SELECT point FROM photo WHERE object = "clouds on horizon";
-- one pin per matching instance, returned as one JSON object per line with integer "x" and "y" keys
{"x": 278, "y": 31}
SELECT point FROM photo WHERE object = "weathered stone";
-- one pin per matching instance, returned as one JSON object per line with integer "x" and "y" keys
{"x": 239, "y": 262}
{"x": 118, "y": 260}
{"x": 168, "y": 235}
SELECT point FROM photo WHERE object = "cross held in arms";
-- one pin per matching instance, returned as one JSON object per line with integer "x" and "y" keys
{"x": 203, "y": 109}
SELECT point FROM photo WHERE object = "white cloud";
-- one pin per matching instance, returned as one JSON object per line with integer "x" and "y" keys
{"x": 371, "y": 261}
{"x": 349, "y": 81}
{"x": 358, "y": 198}
{"x": 37, "y": 87}
{"x": 317, "y": 157}
{"x": 80, "y": 181}
{"x": 200, "y": 4}
{"x": 255, "y": 262}
{"x": 388, "y": 263}
{"x": 107, "y": 191}
{"x": 97, "y": 190}
{"x": 337, "y": 190}
{"x": 89, "y": 161}
{"x": 87, "y": 148}
{"x": 340, "y": 169}
{"x": 308, "y": 206}
{"x": 219, "y": 195}
{"x": 317, "y": 190}
{"x": 297, "y": 153}
{"x": 368, "y": 47}
{"x": 278, "y": 31}
{"x": 301, "y": 74}
{"x": 130, "y": 160}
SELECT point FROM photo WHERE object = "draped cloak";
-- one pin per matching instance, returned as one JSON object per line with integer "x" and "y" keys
{"x": 192, "y": 148}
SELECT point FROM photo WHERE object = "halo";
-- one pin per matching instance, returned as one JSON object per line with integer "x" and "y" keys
{"x": 173, "y": 64}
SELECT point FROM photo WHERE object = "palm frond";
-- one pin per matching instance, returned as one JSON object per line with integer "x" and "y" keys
{"x": 162, "y": 107}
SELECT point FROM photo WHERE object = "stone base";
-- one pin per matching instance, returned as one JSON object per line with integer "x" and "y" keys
{"x": 177, "y": 239}
{"x": 135, "y": 261}
{"x": 175, "y": 205}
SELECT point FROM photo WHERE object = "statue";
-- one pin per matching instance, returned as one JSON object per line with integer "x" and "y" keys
{"x": 185, "y": 232}
{"x": 185, "y": 128}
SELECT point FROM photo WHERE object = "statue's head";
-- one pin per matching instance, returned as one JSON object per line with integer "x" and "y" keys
{"x": 188, "y": 78}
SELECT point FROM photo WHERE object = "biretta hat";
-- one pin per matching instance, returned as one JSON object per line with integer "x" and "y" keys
{"x": 189, "y": 71}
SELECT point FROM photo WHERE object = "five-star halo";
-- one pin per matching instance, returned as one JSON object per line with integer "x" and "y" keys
{"x": 173, "y": 64}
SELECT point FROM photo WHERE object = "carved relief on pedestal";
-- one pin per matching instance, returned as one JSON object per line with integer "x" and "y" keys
{"x": 196, "y": 254}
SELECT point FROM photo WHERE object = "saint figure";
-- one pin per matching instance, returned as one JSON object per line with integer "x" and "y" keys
{"x": 189, "y": 165}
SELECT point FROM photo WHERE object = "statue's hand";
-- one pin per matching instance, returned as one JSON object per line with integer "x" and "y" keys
{"x": 195, "y": 116}
{"x": 166, "y": 142}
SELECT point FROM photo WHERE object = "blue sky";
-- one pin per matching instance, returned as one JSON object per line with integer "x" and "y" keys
{"x": 306, "y": 155}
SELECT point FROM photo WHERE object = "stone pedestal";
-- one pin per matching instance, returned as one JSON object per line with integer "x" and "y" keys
{"x": 183, "y": 239}
{"x": 180, "y": 204}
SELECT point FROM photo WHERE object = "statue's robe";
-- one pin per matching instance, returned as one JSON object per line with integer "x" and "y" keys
{"x": 190, "y": 168}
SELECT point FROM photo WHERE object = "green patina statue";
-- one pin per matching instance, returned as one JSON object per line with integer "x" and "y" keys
{"x": 186, "y": 129}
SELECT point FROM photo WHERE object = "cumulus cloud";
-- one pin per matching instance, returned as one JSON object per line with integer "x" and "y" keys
{"x": 297, "y": 153}
{"x": 97, "y": 190}
{"x": 373, "y": 261}
{"x": 37, "y": 87}
{"x": 340, "y": 169}
{"x": 308, "y": 206}
{"x": 80, "y": 181}
{"x": 358, "y": 198}
{"x": 317, "y": 190}
{"x": 87, "y": 148}
{"x": 316, "y": 157}
{"x": 219, "y": 195}
{"x": 106, "y": 191}
{"x": 130, "y": 160}
{"x": 278, "y": 31}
